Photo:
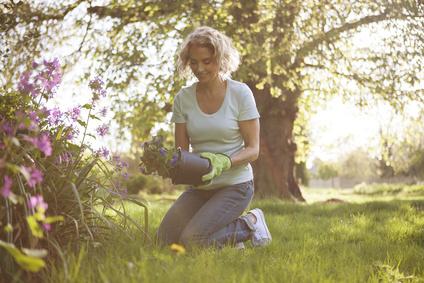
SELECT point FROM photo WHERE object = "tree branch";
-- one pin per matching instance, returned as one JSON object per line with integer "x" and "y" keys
{"x": 310, "y": 46}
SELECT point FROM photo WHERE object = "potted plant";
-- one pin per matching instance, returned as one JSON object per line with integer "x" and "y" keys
{"x": 181, "y": 166}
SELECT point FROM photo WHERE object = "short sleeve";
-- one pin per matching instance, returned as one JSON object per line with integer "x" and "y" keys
{"x": 177, "y": 113}
{"x": 248, "y": 110}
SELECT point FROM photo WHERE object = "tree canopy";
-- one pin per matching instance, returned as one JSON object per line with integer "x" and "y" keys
{"x": 293, "y": 54}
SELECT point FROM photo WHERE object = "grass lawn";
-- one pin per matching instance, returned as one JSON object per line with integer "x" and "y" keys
{"x": 376, "y": 235}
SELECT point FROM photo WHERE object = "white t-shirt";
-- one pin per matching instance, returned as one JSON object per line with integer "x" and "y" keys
{"x": 218, "y": 132}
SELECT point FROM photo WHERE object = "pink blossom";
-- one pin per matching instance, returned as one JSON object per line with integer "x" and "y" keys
{"x": 27, "y": 87}
{"x": 47, "y": 226}
{"x": 44, "y": 144}
{"x": 37, "y": 202}
{"x": 7, "y": 186}
{"x": 33, "y": 176}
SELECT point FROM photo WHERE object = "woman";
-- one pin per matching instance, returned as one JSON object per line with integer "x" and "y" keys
{"x": 217, "y": 116}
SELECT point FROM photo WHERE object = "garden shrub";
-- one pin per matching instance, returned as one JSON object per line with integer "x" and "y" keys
{"x": 51, "y": 186}
{"x": 148, "y": 184}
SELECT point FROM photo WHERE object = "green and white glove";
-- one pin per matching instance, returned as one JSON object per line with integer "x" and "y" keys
{"x": 219, "y": 163}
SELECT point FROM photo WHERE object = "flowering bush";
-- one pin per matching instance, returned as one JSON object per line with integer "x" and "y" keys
{"x": 49, "y": 183}
{"x": 157, "y": 159}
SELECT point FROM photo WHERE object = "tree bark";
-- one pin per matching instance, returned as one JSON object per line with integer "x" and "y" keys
{"x": 274, "y": 169}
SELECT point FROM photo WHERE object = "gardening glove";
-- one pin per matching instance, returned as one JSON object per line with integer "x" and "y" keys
{"x": 219, "y": 163}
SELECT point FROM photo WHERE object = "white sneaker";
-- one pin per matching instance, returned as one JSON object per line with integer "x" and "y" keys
{"x": 261, "y": 235}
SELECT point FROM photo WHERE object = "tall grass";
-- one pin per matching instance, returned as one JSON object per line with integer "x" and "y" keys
{"x": 372, "y": 241}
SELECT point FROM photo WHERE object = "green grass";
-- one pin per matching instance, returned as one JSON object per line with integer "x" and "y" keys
{"x": 370, "y": 238}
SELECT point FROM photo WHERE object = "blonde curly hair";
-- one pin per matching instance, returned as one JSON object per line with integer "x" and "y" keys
{"x": 224, "y": 53}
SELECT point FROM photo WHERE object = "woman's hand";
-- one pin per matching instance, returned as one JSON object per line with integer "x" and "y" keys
{"x": 219, "y": 163}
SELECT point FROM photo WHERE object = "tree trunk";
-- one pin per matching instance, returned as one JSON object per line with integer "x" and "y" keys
{"x": 274, "y": 169}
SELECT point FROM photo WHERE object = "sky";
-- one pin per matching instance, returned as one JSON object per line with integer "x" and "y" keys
{"x": 338, "y": 128}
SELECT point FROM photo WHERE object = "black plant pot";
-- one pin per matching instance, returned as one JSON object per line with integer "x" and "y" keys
{"x": 189, "y": 168}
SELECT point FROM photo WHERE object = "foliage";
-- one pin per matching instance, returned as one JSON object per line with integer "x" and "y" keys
{"x": 50, "y": 185}
{"x": 416, "y": 168}
{"x": 148, "y": 184}
{"x": 383, "y": 189}
{"x": 327, "y": 171}
{"x": 157, "y": 159}
{"x": 294, "y": 54}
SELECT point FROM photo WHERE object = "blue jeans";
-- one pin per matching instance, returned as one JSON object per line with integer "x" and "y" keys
{"x": 208, "y": 217}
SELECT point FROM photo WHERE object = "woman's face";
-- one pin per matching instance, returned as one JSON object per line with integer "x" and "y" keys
{"x": 202, "y": 63}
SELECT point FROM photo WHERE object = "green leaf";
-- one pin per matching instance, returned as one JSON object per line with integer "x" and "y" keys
{"x": 14, "y": 168}
{"x": 59, "y": 133}
{"x": 94, "y": 117}
{"x": 87, "y": 106}
{"x": 82, "y": 123}
{"x": 52, "y": 219}
{"x": 8, "y": 228}
{"x": 35, "y": 228}
{"x": 27, "y": 262}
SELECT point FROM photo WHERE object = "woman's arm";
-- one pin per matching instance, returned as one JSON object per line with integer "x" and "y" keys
{"x": 250, "y": 132}
{"x": 181, "y": 136}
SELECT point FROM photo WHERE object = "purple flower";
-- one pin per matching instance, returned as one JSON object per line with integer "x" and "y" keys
{"x": 71, "y": 133}
{"x": 25, "y": 86}
{"x": 125, "y": 175}
{"x": 142, "y": 170}
{"x": 173, "y": 160}
{"x": 33, "y": 116}
{"x": 75, "y": 113}
{"x": 96, "y": 84}
{"x": 103, "y": 151}
{"x": 44, "y": 144}
{"x": 7, "y": 128}
{"x": 7, "y": 186}
{"x": 33, "y": 175}
{"x": 37, "y": 202}
{"x": 54, "y": 116}
{"x": 162, "y": 151}
{"x": 103, "y": 112}
{"x": 64, "y": 158}
{"x": 50, "y": 76}
{"x": 52, "y": 66}
{"x": 46, "y": 226}
{"x": 103, "y": 130}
